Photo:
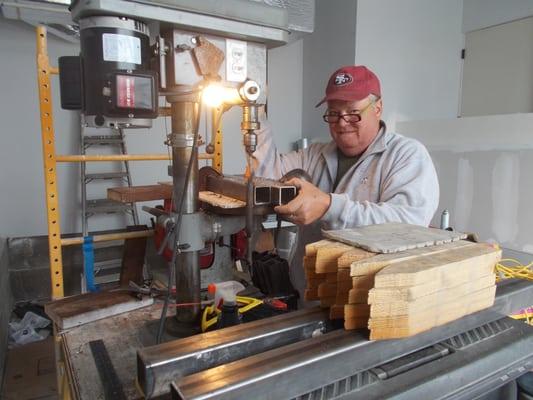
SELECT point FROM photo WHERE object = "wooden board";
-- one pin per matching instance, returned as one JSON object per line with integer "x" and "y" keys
{"x": 392, "y": 327}
{"x": 454, "y": 265}
{"x": 80, "y": 309}
{"x": 363, "y": 282}
{"x": 378, "y": 262}
{"x": 394, "y": 307}
{"x": 311, "y": 294}
{"x": 312, "y": 248}
{"x": 326, "y": 289}
{"x": 326, "y": 302}
{"x": 139, "y": 193}
{"x": 393, "y": 237}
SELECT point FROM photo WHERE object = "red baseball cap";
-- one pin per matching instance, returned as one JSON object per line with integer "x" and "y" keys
{"x": 352, "y": 83}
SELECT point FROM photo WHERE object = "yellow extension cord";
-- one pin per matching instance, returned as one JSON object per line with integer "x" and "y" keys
{"x": 515, "y": 270}
{"x": 248, "y": 304}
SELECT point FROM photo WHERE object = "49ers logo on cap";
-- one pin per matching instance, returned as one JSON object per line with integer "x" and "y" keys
{"x": 343, "y": 79}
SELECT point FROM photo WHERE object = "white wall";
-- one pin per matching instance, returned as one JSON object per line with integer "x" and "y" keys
{"x": 479, "y": 14}
{"x": 22, "y": 211}
{"x": 414, "y": 47}
{"x": 484, "y": 166}
{"x": 329, "y": 47}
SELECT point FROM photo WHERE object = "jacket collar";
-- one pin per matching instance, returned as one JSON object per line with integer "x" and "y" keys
{"x": 378, "y": 145}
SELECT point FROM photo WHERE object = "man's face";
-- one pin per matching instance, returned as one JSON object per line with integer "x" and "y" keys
{"x": 353, "y": 138}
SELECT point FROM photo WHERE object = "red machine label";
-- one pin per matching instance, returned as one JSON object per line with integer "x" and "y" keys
{"x": 125, "y": 91}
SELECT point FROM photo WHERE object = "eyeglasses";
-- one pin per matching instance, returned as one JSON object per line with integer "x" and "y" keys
{"x": 333, "y": 117}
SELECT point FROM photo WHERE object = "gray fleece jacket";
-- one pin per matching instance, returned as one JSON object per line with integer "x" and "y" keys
{"x": 394, "y": 180}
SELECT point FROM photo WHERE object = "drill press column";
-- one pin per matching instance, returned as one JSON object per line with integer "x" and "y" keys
{"x": 184, "y": 126}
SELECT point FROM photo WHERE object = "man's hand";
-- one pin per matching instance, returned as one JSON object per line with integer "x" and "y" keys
{"x": 310, "y": 204}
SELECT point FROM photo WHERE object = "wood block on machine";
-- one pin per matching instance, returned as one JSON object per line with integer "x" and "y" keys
{"x": 454, "y": 265}
{"x": 139, "y": 193}
{"x": 393, "y": 237}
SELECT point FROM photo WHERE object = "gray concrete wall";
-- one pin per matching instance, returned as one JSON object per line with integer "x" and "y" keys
{"x": 6, "y": 302}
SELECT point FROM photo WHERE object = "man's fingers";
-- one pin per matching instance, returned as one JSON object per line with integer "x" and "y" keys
{"x": 297, "y": 182}
{"x": 291, "y": 207}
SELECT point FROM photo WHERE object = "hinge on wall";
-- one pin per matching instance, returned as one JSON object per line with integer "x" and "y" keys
{"x": 463, "y": 53}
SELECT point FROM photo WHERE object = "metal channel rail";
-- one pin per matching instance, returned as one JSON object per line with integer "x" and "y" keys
{"x": 459, "y": 360}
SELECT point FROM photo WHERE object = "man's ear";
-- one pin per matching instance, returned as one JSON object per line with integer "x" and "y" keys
{"x": 378, "y": 108}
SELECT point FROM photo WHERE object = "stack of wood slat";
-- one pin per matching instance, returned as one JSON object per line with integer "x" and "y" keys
{"x": 404, "y": 293}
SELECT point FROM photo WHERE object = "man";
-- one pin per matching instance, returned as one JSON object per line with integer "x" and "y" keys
{"x": 364, "y": 176}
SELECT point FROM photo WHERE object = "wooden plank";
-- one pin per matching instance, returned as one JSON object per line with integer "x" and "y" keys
{"x": 394, "y": 307}
{"x": 133, "y": 258}
{"x": 139, "y": 193}
{"x": 363, "y": 282}
{"x": 326, "y": 289}
{"x": 393, "y": 237}
{"x": 378, "y": 262}
{"x": 311, "y": 294}
{"x": 456, "y": 264}
{"x": 77, "y": 310}
{"x": 326, "y": 302}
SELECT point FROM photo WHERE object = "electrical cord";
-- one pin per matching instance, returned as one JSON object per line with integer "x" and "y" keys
{"x": 515, "y": 270}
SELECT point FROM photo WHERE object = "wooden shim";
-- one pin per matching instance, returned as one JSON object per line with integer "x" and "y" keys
{"x": 327, "y": 290}
{"x": 410, "y": 293}
{"x": 355, "y": 323}
{"x": 314, "y": 283}
{"x": 327, "y": 256}
{"x": 139, "y": 193}
{"x": 444, "y": 313}
{"x": 356, "y": 310}
{"x": 343, "y": 274}
{"x": 356, "y": 254}
{"x": 393, "y": 237}
{"x": 326, "y": 302}
{"x": 378, "y": 262}
{"x": 342, "y": 298}
{"x": 331, "y": 277}
{"x": 312, "y": 248}
{"x": 453, "y": 265}
{"x": 395, "y": 307}
{"x": 336, "y": 312}
{"x": 358, "y": 296}
{"x": 311, "y": 294}
{"x": 363, "y": 282}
